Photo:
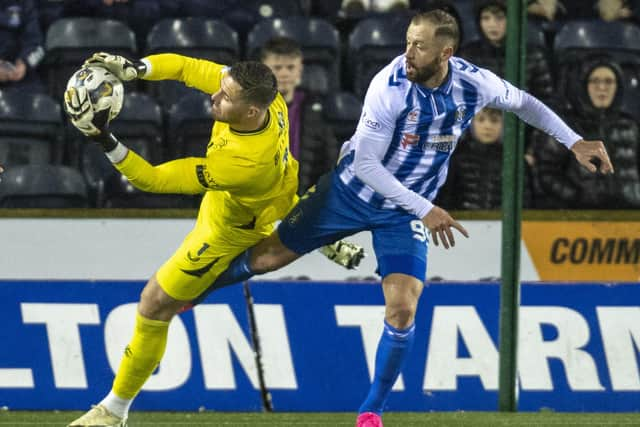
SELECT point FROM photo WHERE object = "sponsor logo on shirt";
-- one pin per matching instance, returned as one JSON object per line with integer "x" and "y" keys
{"x": 442, "y": 143}
{"x": 438, "y": 146}
{"x": 294, "y": 217}
{"x": 370, "y": 123}
{"x": 409, "y": 139}
{"x": 204, "y": 177}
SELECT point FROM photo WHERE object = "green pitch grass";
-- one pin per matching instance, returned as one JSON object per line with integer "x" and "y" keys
{"x": 397, "y": 419}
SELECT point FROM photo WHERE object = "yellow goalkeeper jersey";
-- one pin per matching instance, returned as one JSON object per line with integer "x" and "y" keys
{"x": 250, "y": 178}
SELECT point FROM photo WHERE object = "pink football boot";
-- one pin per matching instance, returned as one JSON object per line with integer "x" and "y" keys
{"x": 369, "y": 419}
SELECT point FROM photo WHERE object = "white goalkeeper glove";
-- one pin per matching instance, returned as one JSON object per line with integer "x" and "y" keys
{"x": 121, "y": 67}
{"x": 77, "y": 105}
{"x": 344, "y": 253}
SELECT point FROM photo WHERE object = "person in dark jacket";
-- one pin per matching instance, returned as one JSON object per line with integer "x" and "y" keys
{"x": 21, "y": 45}
{"x": 489, "y": 50}
{"x": 311, "y": 139}
{"x": 595, "y": 97}
{"x": 474, "y": 180}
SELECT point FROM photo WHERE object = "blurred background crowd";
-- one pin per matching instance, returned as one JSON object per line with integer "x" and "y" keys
{"x": 583, "y": 60}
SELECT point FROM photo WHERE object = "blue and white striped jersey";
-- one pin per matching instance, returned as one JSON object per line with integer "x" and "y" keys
{"x": 415, "y": 129}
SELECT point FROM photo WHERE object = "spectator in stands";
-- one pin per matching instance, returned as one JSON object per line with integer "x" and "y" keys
{"x": 311, "y": 140}
{"x": 616, "y": 10}
{"x": 21, "y": 45}
{"x": 595, "y": 100}
{"x": 474, "y": 180}
{"x": 489, "y": 50}
{"x": 549, "y": 15}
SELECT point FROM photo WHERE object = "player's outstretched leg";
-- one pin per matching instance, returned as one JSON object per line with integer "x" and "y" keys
{"x": 141, "y": 358}
{"x": 99, "y": 416}
{"x": 342, "y": 252}
{"x": 392, "y": 351}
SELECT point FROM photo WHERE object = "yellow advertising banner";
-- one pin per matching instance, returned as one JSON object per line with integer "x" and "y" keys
{"x": 584, "y": 250}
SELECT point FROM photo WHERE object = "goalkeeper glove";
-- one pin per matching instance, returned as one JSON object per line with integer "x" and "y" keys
{"x": 77, "y": 105}
{"x": 123, "y": 68}
{"x": 344, "y": 253}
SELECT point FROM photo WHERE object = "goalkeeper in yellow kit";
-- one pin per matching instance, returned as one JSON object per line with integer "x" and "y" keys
{"x": 248, "y": 178}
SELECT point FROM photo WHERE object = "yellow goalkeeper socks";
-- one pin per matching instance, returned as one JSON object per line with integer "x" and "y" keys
{"x": 141, "y": 357}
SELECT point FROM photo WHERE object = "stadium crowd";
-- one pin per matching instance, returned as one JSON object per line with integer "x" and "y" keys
{"x": 583, "y": 59}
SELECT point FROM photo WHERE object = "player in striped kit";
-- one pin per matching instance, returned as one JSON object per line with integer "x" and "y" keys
{"x": 415, "y": 110}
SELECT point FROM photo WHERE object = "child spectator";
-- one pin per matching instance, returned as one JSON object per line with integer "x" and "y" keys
{"x": 489, "y": 50}
{"x": 311, "y": 140}
{"x": 475, "y": 173}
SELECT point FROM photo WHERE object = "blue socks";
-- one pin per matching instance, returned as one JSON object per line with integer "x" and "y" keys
{"x": 238, "y": 271}
{"x": 393, "y": 348}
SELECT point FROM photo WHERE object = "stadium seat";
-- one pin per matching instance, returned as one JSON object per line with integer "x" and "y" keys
{"x": 119, "y": 193}
{"x": 535, "y": 36}
{"x": 203, "y": 38}
{"x": 189, "y": 126}
{"x": 316, "y": 79}
{"x": 42, "y": 186}
{"x": 579, "y": 40}
{"x": 30, "y": 129}
{"x": 70, "y": 41}
{"x": 246, "y": 14}
{"x": 470, "y": 30}
{"x": 342, "y": 111}
{"x": 373, "y": 43}
{"x": 320, "y": 45}
{"x": 139, "y": 126}
{"x": 631, "y": 103}
{"x": 141, "y": 122}
{"x": 197, "y": 37}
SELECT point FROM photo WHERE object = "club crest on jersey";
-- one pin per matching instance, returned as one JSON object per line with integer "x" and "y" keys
{"x": 461, "y": 112}
{"x": 413, "y": 116}
{"x": 217, "y": 144}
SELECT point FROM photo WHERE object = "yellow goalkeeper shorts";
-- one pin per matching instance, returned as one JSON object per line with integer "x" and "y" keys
{"x": 206, "y": 252}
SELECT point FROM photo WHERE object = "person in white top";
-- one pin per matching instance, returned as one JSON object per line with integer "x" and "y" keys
{"x": 389, "y": 172}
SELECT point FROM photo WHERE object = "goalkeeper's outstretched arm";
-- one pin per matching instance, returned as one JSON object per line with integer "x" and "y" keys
{"x": 201, "y": 74}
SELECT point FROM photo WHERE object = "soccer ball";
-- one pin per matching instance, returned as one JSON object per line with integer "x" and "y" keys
{"x": 105, "y": 89}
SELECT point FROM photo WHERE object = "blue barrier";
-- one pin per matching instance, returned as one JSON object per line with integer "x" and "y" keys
{"x": 60, "y": 342}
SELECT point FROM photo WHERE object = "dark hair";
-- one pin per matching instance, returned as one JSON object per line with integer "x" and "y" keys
{"x": 493, "y": 112}
{"x": 280, "y": 46}
{"x": 493, "y": 6}
{"x": 258, "y": 83}
{"x": 446, "y": 25}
